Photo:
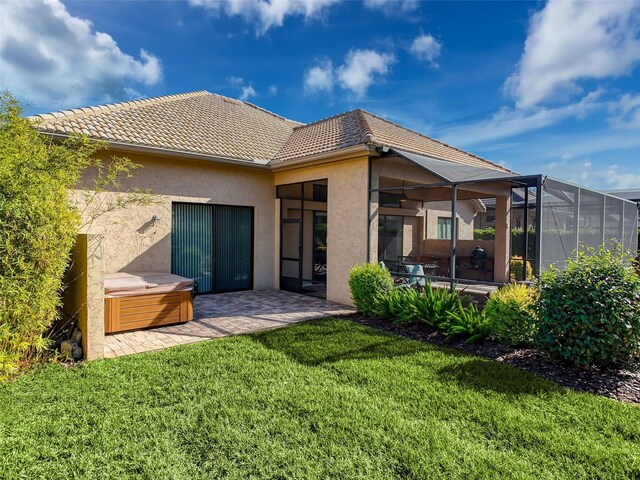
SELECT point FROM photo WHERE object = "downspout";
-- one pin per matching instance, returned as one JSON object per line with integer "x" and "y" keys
{"x": 454, "y": 236}
{"x": 369, "y": 186}
{"x": 525, "y": 255}
{"x": 539, "y": 193}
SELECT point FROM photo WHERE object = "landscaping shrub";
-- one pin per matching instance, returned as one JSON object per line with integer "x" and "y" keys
{"x": 431, "y": 306}
{"x": 511, "y": 311}
{"x": 517, "y": 241}
{"x": 467, "y": 321}
{"x": 399, "y": 305}
{"x": 516, "y": 264}
{"x": 435, "y": 305}
{"x": 488, "y": 233}
{"x": 37, "y": 230}
{"x": 38, "y": 226}
{"x": 368, "y": 282}
{"x": 589, "y": 312}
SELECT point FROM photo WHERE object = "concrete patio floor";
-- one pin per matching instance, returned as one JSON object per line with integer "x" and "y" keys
{"x": 226, "y": 314}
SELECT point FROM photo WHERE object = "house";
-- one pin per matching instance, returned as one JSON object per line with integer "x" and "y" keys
{"x": 251, "y": 200}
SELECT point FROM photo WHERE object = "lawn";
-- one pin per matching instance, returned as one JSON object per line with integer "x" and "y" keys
{"x": 322, "y": 399}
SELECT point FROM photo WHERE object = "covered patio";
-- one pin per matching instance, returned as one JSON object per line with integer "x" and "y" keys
{"x": 534, "y": 221}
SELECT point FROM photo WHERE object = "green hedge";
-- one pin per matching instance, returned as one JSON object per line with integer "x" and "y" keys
{"x": 367, "y": 282}
{"x": 38, "y": 226}
{"x": 589, "y": 313}
{"x": 511, "y": 310}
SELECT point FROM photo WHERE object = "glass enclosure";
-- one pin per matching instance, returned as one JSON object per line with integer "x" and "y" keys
{"x": 575, "y": 218}
{"x": 473, "y": 224}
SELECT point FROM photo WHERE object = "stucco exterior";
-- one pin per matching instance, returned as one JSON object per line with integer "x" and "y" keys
{"x": 133, "y": 242}
{"x": 84, "y": 295}
{"x": 347, "y": 183}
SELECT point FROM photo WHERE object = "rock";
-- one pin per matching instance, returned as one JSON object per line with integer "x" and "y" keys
{"x": 77, "y": 336}
{"x": 70, "y": 350}
{"x": 76, "y": 352}
{"x": 66, "y": 348}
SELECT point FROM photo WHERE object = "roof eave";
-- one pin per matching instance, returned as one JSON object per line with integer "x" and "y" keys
{"x": 328, "y": 156}
{"x": 168, "y": 152}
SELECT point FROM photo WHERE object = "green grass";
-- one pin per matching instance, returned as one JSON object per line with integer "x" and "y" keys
{"x": 323, "y": 399}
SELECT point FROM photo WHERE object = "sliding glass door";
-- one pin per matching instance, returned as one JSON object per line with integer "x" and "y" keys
{"x": 213, "y": 244}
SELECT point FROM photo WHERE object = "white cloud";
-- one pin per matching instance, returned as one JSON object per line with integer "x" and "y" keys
{"x": 319, "y": 78}
{"x": 273, "y": 90}
{"x": 247, "y": 92}
{"x": 392, "y": 7}
{"x": 265, "y": 14}
{"x": 570, "y": 41}
{"x": 587, "y": 173}
{"x": 509, "y": 122}
{"x": 362, "y": 68}
{"x": 426, "y": 49}
{"x": 235, "y": 81}
{"x": 46, "y": 54}
{"x": 246, "y": 89}
{"x": 626, "y": 113}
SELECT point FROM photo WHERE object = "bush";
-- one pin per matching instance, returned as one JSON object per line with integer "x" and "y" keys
{"x": 488, "y": 233}
{"x": 432, "y": 306}
{"x": 368, "y": 282}
{"x": 511, "y": 311}
{"x": 516, "y": 264}
{"x": 467, "y": 321}
{"x": 399, "y": 305}
{"x": 37, "y": 231}
{"x": 589, "y": 313}
{"x": 38, "y": 226}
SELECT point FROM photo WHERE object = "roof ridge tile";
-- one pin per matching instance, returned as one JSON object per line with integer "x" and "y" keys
{"x": 433, "y": 140}
{"x": 119, "y": 105}
{"x": 365, "y": 129}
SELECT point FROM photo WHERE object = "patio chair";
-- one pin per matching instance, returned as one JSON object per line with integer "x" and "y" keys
{"x": 416, "y": 275}
{"x": 397, "y": 281}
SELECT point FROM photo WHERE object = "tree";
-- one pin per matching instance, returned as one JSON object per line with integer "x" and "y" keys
{"x": 38, "y": 226}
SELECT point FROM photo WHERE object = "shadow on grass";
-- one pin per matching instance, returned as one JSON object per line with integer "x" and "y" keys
{"x": 491, "y": 376}
{"x": 320, "y": 342}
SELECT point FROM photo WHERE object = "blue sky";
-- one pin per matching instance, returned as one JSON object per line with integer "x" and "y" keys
{"x": 539, "y": 87}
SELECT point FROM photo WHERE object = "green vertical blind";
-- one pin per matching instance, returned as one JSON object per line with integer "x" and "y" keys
{"x": 444, "y": 228}
{"x": 233, "y": 248}
{"x": 213, "y": 244}
{"x": 192, "y": 243}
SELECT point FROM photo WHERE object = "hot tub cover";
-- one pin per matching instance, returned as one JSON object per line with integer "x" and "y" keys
{"x": 123, "y": 284}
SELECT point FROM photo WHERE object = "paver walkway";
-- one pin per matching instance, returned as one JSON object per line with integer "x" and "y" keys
{"x": 226, "y": 314}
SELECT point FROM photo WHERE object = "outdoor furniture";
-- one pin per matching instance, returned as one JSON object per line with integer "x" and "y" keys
{"x": 140, "y": 300}
{"x": 415, "y": 273}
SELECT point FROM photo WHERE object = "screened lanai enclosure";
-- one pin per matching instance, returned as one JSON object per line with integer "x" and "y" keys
{"x": 430, "y": 218}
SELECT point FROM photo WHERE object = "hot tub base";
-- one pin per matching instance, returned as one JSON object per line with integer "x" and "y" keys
{"x": 151, "y": 310}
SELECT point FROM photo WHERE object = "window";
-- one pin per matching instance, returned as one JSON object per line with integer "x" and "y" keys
{"x": 390, "y": 237}
{"x": 319, "y": 193}
{"x": 390, "y": 200}
{"x": 444, "y": 228}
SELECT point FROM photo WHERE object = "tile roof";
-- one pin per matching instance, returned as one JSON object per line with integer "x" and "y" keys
{"x": 206, "y": 123}
{"x": 197, "y": 122}
{"x": 359, "y": 126}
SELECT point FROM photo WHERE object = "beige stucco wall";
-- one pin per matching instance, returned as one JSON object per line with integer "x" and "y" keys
{"x": 134, "y": 243}
{"x": 84, "y": 292}
{"x": 346, "y": 216}
{"x": 466, "y": 212}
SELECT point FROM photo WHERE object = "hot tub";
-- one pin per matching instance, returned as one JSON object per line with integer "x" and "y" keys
{"x": 145, "y": 299}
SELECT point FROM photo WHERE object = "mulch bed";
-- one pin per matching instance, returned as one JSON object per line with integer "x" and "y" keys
{"x": 621, "y": 384}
